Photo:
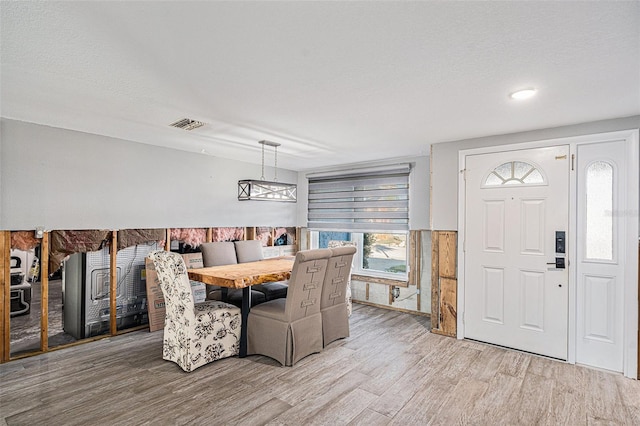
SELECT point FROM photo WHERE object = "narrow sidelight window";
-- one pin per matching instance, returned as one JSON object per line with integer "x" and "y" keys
{"x": 599, "y": 206}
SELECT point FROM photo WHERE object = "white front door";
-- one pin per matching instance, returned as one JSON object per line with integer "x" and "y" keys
{"x": 601, "y": 208}
{"x": 515, "y": 296}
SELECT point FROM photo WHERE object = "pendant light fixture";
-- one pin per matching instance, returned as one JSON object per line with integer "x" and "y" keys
{"x": 264, "y": 190}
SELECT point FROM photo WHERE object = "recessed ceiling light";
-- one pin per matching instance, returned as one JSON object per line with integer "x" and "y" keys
{"x": 523, "y": 94}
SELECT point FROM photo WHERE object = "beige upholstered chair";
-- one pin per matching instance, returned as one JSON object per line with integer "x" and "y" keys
{"x": 289, "y": 329}
{"x": 224, "y": 253}
{"x": 218, "y": 253}
{"x": 194, "y": 334}
{"x": 335, "y": 244}
{"x": 248, "y": 251}
{"x": 251, "y": 251}
{"x": 335, "y": 315}
{"x": 215, "y": 254}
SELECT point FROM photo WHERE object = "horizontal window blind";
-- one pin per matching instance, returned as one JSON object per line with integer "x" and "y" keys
{"x": 374, "y": 199}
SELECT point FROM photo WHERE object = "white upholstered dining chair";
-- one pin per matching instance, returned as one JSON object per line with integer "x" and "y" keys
{"x": 194, "y": 334}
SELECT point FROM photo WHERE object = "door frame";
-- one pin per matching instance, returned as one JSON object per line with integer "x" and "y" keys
{"x": 631, "y": 304}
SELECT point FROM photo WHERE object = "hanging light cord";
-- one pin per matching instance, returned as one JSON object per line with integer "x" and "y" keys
{"x": 262, "y": 177}
{"x": 275, "y": 171}
{"x": 275, "y": 149}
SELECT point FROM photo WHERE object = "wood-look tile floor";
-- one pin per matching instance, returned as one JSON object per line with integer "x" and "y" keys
{"x": 390, "y": 371}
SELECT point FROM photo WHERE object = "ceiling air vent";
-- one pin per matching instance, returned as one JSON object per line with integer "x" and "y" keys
{"x": 187, "y": 124}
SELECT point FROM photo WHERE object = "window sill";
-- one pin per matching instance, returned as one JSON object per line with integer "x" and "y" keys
{"x": 378, "y": 280}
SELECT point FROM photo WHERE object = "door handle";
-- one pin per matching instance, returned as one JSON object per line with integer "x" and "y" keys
{"x": 559, "y": 263}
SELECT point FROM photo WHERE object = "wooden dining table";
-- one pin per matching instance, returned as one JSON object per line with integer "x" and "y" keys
{"x": 243, "y": 276}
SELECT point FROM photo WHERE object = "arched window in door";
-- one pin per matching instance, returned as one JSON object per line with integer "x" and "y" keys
{"x": 514, "y": 173}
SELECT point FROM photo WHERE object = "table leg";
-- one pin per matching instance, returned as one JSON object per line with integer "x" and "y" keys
{"x": 246, "y": 306}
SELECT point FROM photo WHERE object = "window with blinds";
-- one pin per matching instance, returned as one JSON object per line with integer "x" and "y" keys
{"x": 374, "y": 199}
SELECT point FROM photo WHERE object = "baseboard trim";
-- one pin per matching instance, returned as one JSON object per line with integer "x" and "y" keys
{"x": 393, "y": 308}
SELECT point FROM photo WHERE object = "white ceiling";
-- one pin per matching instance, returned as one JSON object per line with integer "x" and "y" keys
{"x": 333, "y": 82}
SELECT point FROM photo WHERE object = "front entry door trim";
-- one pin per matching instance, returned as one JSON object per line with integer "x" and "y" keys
{"x": 631, "y": 216}
{"x": 517, "y": 201}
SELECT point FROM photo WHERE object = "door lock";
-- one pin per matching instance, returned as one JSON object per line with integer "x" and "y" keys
{"x": 560, "y": 242}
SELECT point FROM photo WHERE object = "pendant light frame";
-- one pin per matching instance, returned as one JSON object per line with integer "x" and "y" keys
{"x": 264, "y": 190}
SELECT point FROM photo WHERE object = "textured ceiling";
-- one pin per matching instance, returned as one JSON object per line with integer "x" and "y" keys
{"x": 333, "y": 82}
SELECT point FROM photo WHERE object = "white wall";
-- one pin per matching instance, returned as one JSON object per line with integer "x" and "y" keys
{"x": 445, "y": 170}
{"x": 63, "y": 179}
{"x": 419, "y": 194}
{"x": 418, "y": 188}
{"x": 1, "y": 138}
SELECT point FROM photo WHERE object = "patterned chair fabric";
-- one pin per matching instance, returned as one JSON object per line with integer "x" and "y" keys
{"x": 333, "y": 306}
{"x": 194, "y": 334}
{"x": 289, "y": 329}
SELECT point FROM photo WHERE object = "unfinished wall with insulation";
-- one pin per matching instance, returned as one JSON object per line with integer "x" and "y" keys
{"x": 414, "y": 295}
